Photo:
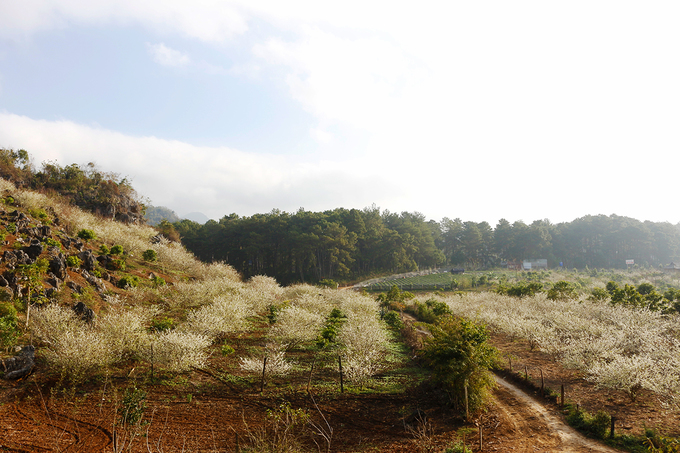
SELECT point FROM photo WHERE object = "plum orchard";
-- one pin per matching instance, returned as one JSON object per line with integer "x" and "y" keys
{"x": 616, "y": 346}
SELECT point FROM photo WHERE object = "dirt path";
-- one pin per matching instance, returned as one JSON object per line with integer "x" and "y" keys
{"x": 524, "y": 425}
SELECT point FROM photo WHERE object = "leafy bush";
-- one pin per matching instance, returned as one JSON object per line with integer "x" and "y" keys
{"x": 130, "y": 281}
{"x": 116, "y": 250}
{"x": 150, "y": 255}
{"x": 39, "y": 214}
{"x": 116, "y": 265}
{"x": 520, "y": 289}
{"x": 328, "y": 283}
{"x": 73, "y": 261}
{"x": 8, "y": 325}
{"x": 104, "y": 249}
{"x": 87, "y": 235}
{"x": 459, "y": 355}
{"x": 393, "y": 320}
{"x": 595, "y": 425}
{"x": 133, "y": 406}
{"x": 562, "y": 290}
{"x": 226, "y": 350}
{"x": 329, "y": 333}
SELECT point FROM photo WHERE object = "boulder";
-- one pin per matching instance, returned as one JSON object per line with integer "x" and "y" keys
{"x": 34, "y": 249}
{"x": 20, "y": 365}
{"x": 84, "y": 313}
{"x": 89, "y": 260}
{"x": 58, "y": 266}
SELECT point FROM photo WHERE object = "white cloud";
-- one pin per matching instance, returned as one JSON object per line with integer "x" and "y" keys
{"x": 205, "y": 20}
{"x": 184, "y": 177}
{"x": 321, "y": 135}
{"x": 166, "y": 56}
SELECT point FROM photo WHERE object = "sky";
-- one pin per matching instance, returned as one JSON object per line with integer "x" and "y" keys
{"x": 483, "y": 110}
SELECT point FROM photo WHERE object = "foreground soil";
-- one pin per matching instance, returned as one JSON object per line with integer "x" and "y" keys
{"x": 214, "y": 410}
{"x": 202, "y": 414}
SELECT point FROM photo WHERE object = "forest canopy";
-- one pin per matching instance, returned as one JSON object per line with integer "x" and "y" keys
{"x": 347, "y": 244}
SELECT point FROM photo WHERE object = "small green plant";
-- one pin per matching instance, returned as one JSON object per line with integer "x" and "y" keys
{"x": 87, "y": 235}
{"x": 11, "y": 227}
{"x": 163, "y": 324}
{"x": 458, "y": 447}
{"x": 49, "y": 242}
{"x": 116, "y": 250}
{"x": 104, "y": 249}
{"x": 157, "y": 281}
{"x": 596, "y": 425}
{"x": 329, "y": 333}
{"x": 8, "y": 325}
{"x": 116, "y": 265}
{"x": 73, "y": 261}
{"x": 8, "y": 201}
{"x": 150, "y": 255}
{"x": 38, "y": 214}
{"x": 133, "y": 406}
{"x": 130, "y": 281}
{"x": 226, "y": 350}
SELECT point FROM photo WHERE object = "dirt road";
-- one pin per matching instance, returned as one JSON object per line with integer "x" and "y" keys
{"x": 523, "y": 425}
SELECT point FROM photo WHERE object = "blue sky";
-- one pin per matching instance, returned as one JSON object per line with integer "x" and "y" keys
{"x": 480, "y": 110}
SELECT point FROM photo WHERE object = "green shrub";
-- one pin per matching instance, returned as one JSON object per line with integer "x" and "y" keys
{"x": 328, "y": 283}
{"x": 157, "y": 281}
{"x": 150, "y": 255}
{"x": 595, "y": 425}
{"x": 331, "y": 328}
{"x": 9, "y": 201}
{"x": 133, "y": 406}
{"x": 104, "y": 249}
{"x": 38, "y": 214}
{"x": 128, "y": 282}
{"x": 49, "y": 242}
{"x": 562, "y": 290}
{"x": 393, "y": 320}
{"x": 227, "y": 350}
{"x": 116, "y": 250}
{"x": 73, "y": 261}
{"x": 459, "y": 355}
{"x": 9, "y": 331}
{"x": 87, "y": 235}
{"x": 116, "y": 265}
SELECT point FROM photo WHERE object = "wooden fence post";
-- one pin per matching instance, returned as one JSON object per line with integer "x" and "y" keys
{"x": 481, "y": 437}
{"x": 264, "y": 367}
{"x": 309, "y": 381}
{"x": 542, "y": 383}
{"x": 467, "y": 412}
{"x": 611, "y": 431}
{"x": 342, "y": 386}
{"x": 526, "y": 373}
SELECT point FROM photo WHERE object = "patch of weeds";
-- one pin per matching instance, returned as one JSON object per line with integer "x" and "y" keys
{"x": 595, "y": 425}
{"x": 162, "y": 325}
{"x": 231, "y": 379}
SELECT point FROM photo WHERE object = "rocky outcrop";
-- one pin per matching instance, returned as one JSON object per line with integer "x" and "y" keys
{"x": 58, "y": 266}
{"x": 84, "y": 313}
{"x": 88, "y": 259}
{"x": 20, "y": 365}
